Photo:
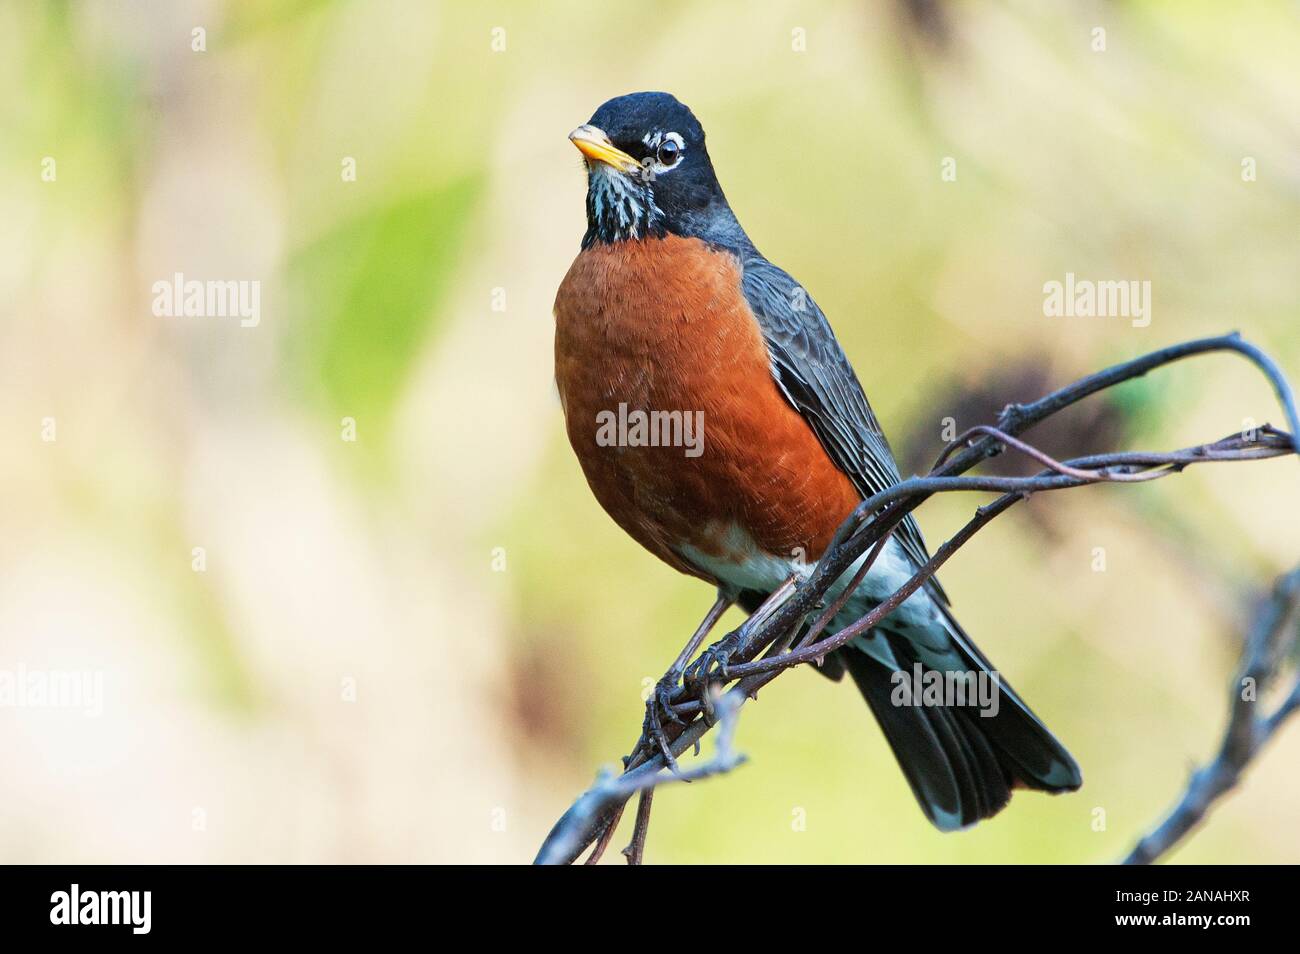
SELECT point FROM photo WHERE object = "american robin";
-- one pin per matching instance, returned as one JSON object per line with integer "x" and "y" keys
{"x": 669, "y": 317}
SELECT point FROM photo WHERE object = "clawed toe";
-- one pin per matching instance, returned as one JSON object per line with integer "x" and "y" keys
{"x": 709, "y": 669}
{"x": 659, "y": 707}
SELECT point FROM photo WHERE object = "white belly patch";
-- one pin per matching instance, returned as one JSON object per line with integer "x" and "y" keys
{"x": 744, "y": 566}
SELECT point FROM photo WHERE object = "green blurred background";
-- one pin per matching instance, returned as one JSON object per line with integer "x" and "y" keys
{"x": 421, "y": 644}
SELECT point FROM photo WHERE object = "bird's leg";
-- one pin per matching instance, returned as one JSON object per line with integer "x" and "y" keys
{"x": 659, "y": 704}
{"x": 712, "y": 665}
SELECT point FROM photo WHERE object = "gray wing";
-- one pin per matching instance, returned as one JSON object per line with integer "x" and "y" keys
{"x": 810, "y": 368}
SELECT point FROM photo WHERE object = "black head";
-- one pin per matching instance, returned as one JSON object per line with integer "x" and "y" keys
{"x": 648, "y": 172}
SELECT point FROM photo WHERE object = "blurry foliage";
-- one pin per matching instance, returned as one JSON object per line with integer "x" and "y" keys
{"x": 1090, "y": 427}
{"x": 247, "y": 18}
{"x": 369, "y": 290}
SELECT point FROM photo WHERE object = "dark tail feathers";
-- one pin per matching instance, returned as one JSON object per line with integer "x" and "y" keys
{"x": 962, "y": 766}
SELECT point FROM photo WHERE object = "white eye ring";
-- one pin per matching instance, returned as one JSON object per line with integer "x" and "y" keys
{"x": 668, "y": 151}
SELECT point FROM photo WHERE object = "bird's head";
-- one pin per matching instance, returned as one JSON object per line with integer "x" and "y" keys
{"x": 648, "y": 172}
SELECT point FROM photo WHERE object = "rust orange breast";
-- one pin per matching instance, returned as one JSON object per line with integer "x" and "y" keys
{"x": 661, "y": 325}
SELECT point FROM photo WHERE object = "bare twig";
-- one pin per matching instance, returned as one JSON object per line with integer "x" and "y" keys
{"x": 635, "y": 850}
{"x": 606, "y": 838}
{"x": 1018, "y": 488}
{"x": 868, "y": 526}
{"x": 1272, "y": 631}
{"x": 1085, "y": 475}
{"x": 828, "y": 615}
{"x": 584, "y": 822}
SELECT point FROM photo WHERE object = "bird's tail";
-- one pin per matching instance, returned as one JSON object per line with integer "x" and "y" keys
{"x": 961, "y": 760}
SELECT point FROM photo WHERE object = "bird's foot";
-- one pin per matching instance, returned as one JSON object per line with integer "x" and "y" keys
{"x": 710, "y": 670}
{"x": 658, "y": 708}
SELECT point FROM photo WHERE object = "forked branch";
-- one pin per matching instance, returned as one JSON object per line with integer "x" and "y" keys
{"x": 1271, "y": 638}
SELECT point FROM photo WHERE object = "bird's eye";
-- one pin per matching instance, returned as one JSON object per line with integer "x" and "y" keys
{"x": 669, "y": 152}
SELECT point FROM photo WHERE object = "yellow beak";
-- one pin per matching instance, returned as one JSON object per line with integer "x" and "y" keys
{"x": 595, "y": 145}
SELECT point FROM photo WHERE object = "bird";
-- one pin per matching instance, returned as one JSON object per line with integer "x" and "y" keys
{"x": 670, "y": 315}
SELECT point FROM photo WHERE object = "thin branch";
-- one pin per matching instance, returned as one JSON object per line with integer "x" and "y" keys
{"x": 1088, "y": 476}
{"x": 1019, "y": 488}
{"x": 606, "y": 838}
{"x": 828, "y": 615}
{"x": 1272, "y": 631}
{"x": 635, "y": 850}
{"x": 581, "y": 824}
